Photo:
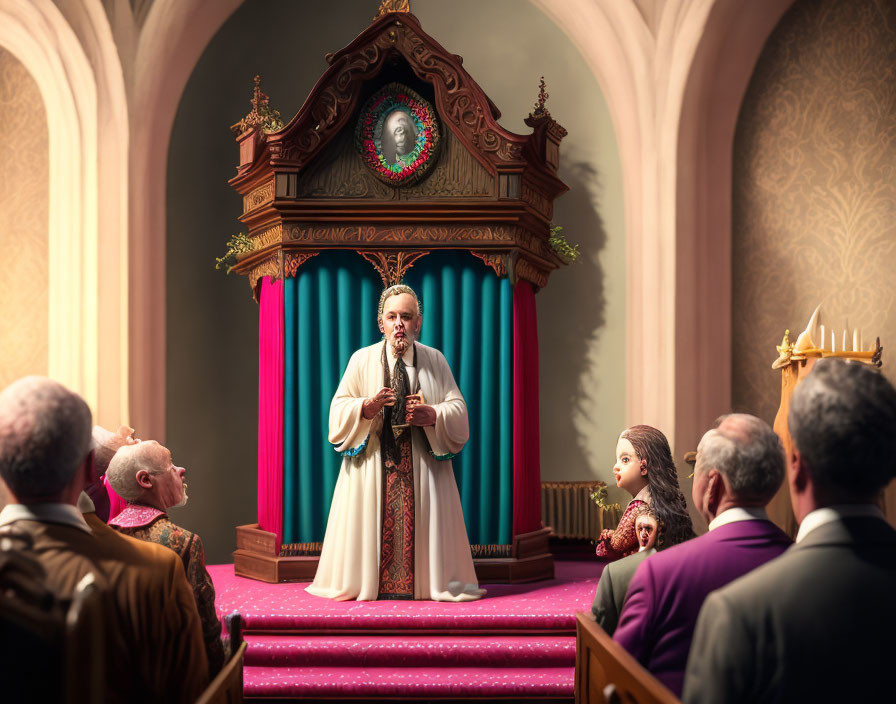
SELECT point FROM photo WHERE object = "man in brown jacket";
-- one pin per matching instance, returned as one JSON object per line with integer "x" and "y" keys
{"x": 154, "y": 648}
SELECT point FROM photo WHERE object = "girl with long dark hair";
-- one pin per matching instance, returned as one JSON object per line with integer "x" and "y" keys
{"x": 645, "y": 469}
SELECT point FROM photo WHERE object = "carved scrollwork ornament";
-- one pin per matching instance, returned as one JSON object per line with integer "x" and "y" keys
{"x": 496, "y": 260}
{"x": 259, "y": 196}
{"x": 526, "y": 270}
{"x": 339, "y": 232}
{"x": 293, "y": 260}
{"x": 269, "y": 236}
{"x": 785, "y": 352}
{"x": 268, "y": 267}
{"x": 393, "y": 265}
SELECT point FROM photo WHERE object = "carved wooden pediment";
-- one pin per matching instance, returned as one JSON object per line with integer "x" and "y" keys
{"x": 309, "y": 186}
{"x": 461, "y": 103}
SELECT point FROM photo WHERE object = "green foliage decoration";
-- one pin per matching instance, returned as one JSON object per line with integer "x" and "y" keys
{"x": 238, "y": 244}
{"x": 599, "y": 496}
{"x": 559, "y": 243}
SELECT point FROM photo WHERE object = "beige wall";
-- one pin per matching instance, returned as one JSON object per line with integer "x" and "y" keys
{"x": 211, "y": 319}
{"x": 815, "y": 189}
{"x": 67, "y": 48}
{"x": 24, "y": 196}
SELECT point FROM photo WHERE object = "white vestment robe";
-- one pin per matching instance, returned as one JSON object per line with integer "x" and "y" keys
{"x": 349, "y": 565}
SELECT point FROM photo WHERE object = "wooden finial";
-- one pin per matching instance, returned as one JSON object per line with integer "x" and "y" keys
{"x": 262, "y": 114}
{"x": 258, "y": 98}
{"x": 540, "y": 109}
{"x": 387, "y": 6}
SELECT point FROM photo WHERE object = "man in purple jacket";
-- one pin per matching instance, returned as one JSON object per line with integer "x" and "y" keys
{"x": 740, "y": 465}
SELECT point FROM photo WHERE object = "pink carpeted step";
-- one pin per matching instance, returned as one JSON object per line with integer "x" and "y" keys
{"x": 410, "y": 651}
{"x": 540, "y": 607}
{"x": 518, "y": 643}
{"x": 408, "y": 683}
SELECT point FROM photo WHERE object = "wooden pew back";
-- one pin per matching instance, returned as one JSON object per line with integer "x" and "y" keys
{"x": 607, "y": 674}
{"x": 227, "y": 687}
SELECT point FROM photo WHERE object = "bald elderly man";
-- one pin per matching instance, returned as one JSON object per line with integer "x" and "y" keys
{"x": 145, "y": 476}
{"x": 154, "y": 642}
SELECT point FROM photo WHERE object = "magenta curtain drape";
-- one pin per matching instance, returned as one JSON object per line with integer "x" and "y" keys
{"x": 116, "y": 503}
{"x": 526, "y": 463}
{"x": 270, "y": 408}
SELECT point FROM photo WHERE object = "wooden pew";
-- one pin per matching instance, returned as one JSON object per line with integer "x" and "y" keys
{"x": 227, "y": 687}
{"x": 607, "y": 674}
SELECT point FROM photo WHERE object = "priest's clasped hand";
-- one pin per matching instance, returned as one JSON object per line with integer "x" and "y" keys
{"x": 419, "y": 413}
{"x": 373, "y": 405}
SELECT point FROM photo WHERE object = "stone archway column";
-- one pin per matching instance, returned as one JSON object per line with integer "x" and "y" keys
{"x": 641, "y": 55}
{"x": 38, "y": 35}
{"x": 674, "y": 74}
{"x": 169, "y": 44}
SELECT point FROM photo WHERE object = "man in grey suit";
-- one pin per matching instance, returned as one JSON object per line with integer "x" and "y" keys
{"x": 614, "y": 580}
{"x": 817, "y": 623}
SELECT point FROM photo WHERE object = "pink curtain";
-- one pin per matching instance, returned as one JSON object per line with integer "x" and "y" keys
{"x": 116, "y": 503}
{"x": 526, "y": 465}
{"x": 270, "y": 408}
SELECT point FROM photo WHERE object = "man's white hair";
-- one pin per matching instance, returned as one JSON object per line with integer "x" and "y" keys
{"x": 44, "y": 437}
{"x": 130, "y": 459}
{"x": 397, "y": 290}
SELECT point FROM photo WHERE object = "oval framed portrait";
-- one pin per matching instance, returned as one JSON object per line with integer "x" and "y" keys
{"x": 398, "y": 135}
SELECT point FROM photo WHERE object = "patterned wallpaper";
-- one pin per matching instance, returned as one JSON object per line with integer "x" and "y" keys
{"x": 24, "y": 194}
{"x": 814, "y": 194}
{"x": 815, "y": 188}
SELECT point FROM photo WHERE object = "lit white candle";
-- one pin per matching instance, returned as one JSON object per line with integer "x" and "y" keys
{"x": 833, "y": 341}
{"x": 822, "y": 337}
{"x": 843, "y": 346}
{"x": 855, "y": 340}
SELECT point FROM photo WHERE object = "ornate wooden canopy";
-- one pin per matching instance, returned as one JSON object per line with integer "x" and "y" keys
{"x": 305, "y": 187}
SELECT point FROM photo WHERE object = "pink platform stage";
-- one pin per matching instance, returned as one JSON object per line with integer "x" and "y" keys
{"x": 517, "y": 643}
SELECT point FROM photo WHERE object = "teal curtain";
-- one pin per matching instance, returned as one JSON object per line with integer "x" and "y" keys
{"x": 330, "y": 310}
{"x": 468, "y": 315}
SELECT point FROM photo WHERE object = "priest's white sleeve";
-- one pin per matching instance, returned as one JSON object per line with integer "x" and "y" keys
{"x": 452, "y": 428}
{"x": 349, "y": 430}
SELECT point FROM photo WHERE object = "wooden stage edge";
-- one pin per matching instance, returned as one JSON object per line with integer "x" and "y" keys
{"x": 256, "y": 557}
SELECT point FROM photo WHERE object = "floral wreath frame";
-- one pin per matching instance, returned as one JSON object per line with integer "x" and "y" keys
{"x": 368, "y": 134}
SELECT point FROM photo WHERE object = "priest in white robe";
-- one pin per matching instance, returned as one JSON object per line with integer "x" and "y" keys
{"x": 396, "y": 528}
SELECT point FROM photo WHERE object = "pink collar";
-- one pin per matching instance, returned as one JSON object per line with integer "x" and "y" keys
{"x": 136, "y": 516}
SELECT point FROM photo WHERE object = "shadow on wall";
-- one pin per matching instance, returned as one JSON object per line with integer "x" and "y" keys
{"x": 571, "y": 316}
